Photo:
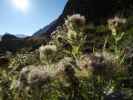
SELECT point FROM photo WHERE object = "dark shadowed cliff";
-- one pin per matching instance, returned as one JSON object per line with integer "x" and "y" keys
{"x": 95, "y": 11}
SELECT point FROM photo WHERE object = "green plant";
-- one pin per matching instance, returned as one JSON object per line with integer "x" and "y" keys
{"x": 116, "y": 36}
{"x": 20, "y": 60}
{"x": 63, "y": 71}
{"x": 75, "y": 36}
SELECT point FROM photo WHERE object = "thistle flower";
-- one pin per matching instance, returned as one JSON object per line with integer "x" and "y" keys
{"x": 48, "y": 49}
{"x": 47, "y": 52}
{"x": 37, "y": 77}
{"x": 103, "y": 64}
{"x": 75, "y": 21}
{"x": 114, "y": 23}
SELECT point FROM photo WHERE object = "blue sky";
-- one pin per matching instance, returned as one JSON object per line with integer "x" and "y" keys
{"x": 39, "y": 13}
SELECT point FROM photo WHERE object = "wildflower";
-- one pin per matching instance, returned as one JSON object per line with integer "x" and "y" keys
{"x": 47, "y": 52}
{"x": 114, "y": 23}
{"x": 37, "y": 77}
{"x": 75, "y": 21}
{"x": 104, "y": 64}
{"x": 48, "y": 49}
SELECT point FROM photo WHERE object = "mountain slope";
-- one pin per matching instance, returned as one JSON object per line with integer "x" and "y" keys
{"x": 47, "y": 29}
{"x": 95, "y": 11}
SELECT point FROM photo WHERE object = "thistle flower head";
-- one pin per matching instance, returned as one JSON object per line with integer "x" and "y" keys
{"x": 48, "y": 49}
{"x": 103, "y": 64}
{"x": 114, "y": 23}
{"x": 47, "y": 52}
{"x": 116, "y": 20}
{"x": 75, "y": 21}
{"x": 37, "y": 77}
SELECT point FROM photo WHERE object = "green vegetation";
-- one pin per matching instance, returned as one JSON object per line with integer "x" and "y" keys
{"x": 81, "y": 62}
